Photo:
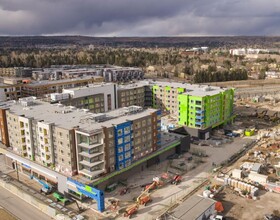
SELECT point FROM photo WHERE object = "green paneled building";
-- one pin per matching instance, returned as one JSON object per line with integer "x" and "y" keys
{"x": 198, "y": 108}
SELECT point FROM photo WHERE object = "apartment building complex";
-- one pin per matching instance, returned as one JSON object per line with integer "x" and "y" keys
{"x": 109, "y": 72}
{"x": 197, "y": 107}
{"x": 122, "y": 74}
{"x": 41, "y": 88}
{"x": 97, "y": 98}
{"x": 73, "y": 141}
{"x": 132, "y": 94}
{"x": 16, "y": 72}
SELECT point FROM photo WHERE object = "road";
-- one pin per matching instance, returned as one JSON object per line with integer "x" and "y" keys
{"x": 20, "y": 208}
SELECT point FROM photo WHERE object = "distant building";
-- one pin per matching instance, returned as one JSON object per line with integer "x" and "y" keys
{"x": 122, "y": 74}
{"x": 41, "y": 88}
{"x": 272, "y": 75}
{"x": 16, "y": 72}
{"x": 109, "y": 72}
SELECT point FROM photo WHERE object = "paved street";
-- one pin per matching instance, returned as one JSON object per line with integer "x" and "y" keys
{"x": 20, "y": 208}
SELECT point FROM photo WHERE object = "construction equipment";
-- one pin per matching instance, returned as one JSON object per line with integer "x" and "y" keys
{"x": 176, "y": 179}
{"x": 46, "y": 188}
{"x": 171, "y": 179}
{"x": 142, "y": 199}
{"x": 131, "y": 210}
{"x": 60, "y": 198}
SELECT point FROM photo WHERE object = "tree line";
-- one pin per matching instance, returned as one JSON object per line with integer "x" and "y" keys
{"x": 204, "y": 76}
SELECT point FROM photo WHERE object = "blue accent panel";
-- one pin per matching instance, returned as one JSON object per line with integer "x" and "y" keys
{"x": 199, "y": 117}
{"x": 200, "y": 111}
{"x": 96, "y": 194}
{"x": 123, "y": 134}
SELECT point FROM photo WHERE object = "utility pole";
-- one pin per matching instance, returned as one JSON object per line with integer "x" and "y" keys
{"x": 17, "y": 170}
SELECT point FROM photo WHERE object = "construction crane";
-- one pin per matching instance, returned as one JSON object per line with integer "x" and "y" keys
{"x": 46, "y": 188}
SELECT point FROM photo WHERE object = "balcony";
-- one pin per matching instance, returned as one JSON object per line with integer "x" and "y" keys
{"x": 199, "y": 123}
{"x": 85, "y": 154}
{"x": 199, "y": 117}
{"x": 45, "y": 132}
{"x": 22, "y": 133}
{"x": 200, "y": 111}
{"x": 91, "y": 173}
{"x": 90, "y": 146}
{"x": 90, "y": 164}
{"x": 24, "y": 150}
{"x": 48, "y": 159}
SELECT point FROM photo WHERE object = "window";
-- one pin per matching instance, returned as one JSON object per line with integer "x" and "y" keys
{"x": 120, "y": 141}
{"x": 126, "y": 139}
{"x": 120, "y": 165}
{"x": 127, "y": 155}
{"x": 127, "y": 147}
{"x": 120, "y": 149}
{"x": 120, "y": 132}
{"x": 127, "y": 130}
{"x": 120, "y": 157}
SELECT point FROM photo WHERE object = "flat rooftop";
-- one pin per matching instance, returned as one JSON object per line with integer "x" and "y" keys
{"x": 192, "y": 89}
{"x": 50, "y": 82}
{"x": 69, "y": 117}
{"x": 192, "y": 208}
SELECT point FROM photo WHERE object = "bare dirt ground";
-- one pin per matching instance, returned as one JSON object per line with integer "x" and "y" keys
{"x": 4, "y": 215}
{"x": 238, "y": 208}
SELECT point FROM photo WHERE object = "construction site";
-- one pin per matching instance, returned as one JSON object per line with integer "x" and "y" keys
{"x": 237, "y": 171}
{"x": 235, "y": 174}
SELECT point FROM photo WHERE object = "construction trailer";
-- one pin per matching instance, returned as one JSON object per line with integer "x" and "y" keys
{"x": 258, "y": 178}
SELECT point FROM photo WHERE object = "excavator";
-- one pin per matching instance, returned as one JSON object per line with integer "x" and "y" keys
{"x": 142, "y": 199}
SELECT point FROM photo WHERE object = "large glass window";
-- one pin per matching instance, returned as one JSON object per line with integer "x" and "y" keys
{"x": 126, "y": 139}
{"x": 127, "y": 147}
{"x": 127, "y": 155}
{"x": 120, "y": 157}
{"x": 120, "y": 149}
{"x": 127, "y": 130}
{"x": 120, "y": 141}
{"x": 120, "y": 132}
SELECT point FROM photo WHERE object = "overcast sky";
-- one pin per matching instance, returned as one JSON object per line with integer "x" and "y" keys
{"x": 140, "y": 17}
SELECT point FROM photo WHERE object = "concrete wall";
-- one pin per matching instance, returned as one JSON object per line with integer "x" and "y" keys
{"x": 29, "y": 199}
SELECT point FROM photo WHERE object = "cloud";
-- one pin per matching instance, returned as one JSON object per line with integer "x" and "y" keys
{"x": 139, "y": 18}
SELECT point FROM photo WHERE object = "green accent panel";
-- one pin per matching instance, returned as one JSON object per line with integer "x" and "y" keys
{"x": 136, "y": 163}
{"x": 168, "y": 88}
{"x": 183, "y": 109}
{"x": 87, "y": 188}
{"x": 180, "y": 90}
